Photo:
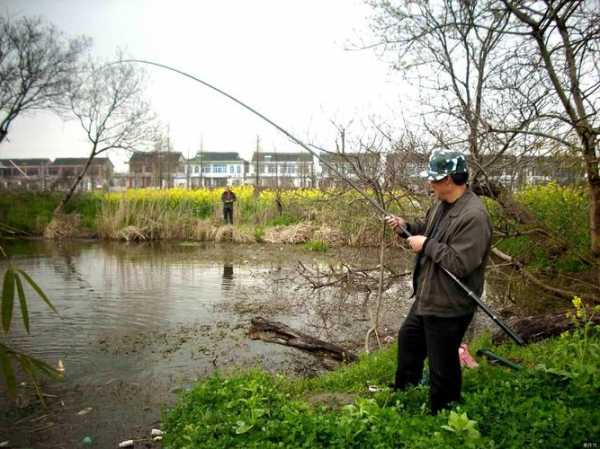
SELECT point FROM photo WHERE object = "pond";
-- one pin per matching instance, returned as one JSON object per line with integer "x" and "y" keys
{"x": 140, "y": 322}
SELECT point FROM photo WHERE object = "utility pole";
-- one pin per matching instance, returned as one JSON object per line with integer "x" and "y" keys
{"x": 187, "y": 170}
{"x": 169, "y": 180}
{"x": 257, "y": 161}
{"x": 201, "y": 161}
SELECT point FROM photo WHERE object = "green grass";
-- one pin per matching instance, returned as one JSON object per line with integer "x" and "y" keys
{"x": 28, "y": 212}
{"x": 316, "y": 245}
{"x": 553, "y": 403}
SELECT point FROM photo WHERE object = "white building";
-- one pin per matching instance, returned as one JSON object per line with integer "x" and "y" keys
{"x": 216, "y": 169}
{"x": 281, "y": 170}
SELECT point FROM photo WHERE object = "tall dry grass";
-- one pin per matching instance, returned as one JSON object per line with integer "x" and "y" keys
{"x": 292, "y": 216}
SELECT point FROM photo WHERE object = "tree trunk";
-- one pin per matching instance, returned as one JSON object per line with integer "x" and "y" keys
{"x": 538, "y": 327}
{"x": 275, "y": 332}
{"x": 594, "y": 185}
{"x": 61, "y": 206}
{"x": 506, "y": 200}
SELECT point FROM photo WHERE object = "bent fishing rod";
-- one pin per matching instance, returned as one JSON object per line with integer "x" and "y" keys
{"x": 351, "y": 183}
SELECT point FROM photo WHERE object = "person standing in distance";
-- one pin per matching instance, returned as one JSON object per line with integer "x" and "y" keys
{"x": 455, "y": 234}
{"x": 228, "y": 198}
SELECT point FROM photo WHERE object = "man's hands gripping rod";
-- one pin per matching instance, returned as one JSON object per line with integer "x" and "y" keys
{"x": 398, "y": 224}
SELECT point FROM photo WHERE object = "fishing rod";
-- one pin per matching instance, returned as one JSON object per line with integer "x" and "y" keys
{"x": 331, "y": 167}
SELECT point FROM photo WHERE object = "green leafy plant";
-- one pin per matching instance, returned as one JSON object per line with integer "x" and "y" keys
{"x": 316, "y": 245}
{"x": 577, "y": 351}
{"x": 462, "y": 425}
{"x": 12, "y": 286}
{"x": 529, "y": 408}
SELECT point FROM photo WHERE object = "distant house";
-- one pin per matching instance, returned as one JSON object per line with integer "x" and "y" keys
{"x": 272, "y": 169}
{"x": 402, "y": 169}
{"x": 159, "y": 169}
{"x": 119, "y": 182}
{"x": 353, "y": 165}
{"x": 514, "y": 172}
{"x": 216, "y": 169}
{"x": 63, "y": 172}
{"x": 29, "y": 174}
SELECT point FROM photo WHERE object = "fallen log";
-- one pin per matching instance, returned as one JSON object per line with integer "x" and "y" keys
{"x": 538, "y": 327}
{"x": 275, "y": 332}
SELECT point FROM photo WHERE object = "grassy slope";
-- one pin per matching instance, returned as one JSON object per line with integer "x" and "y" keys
{"x": 551, "y": 404}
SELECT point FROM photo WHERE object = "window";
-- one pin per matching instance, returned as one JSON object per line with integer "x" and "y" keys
{"x": 220, "y": 168}
{"x": 206, "y": 169}
{"x": 272, "y": 169}
{"x": 238, "y": 169}
{"x": 196, "y": 169}
{"x": 231, "y": 169}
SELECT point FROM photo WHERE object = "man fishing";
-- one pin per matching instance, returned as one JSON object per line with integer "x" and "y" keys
{"x": 456, "y": 237}
{"x": 228, "y": 198}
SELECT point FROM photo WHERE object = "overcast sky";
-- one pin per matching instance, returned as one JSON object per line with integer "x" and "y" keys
{"x": 289, "y": 59}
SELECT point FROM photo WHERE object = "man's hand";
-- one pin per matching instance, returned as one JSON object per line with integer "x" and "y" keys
{"x": 416, "y": 243}
{"x": 396, "y": 223}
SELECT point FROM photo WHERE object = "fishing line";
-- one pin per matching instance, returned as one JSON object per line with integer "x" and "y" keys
{"x": 352, "y": 184}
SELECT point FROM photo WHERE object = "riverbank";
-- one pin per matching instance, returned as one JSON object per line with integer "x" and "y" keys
{"x": 557, "y": 241}
{"x": 551, "y": 403}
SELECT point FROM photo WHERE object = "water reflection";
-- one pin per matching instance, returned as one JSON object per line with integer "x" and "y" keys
{"x": 125, "y": 308}
{"x": 227, "y": 283}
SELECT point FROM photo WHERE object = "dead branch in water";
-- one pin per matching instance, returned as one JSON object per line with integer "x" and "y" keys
{"x": 519, "y": 266}
{"x": 358, "y": 279}
{"x": 275, "y": 332}
{"x": 538, "y": 327}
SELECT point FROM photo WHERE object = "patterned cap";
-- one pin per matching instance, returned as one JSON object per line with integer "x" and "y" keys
{"x": 443, "y": 163}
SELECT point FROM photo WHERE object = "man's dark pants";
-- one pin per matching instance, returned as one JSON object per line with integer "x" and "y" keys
{"x": 438, "y": 339}
{"x": 228, "y": 214}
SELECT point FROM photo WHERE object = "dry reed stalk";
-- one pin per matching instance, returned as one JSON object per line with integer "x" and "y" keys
{"x": 243, "y": 236}
{"x": 331, "y": 236}
{"x": 63, "y": 226}
{"x": 201, "y": 230}
{"x": 298, "y": 233}
{"x": 131, "y": 234}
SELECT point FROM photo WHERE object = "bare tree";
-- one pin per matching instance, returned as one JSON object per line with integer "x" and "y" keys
{"x": 454, "y": 52}
{"x": 37, "y": 66}
{"x": 108, "y": 104}
{"x": 564, "y": 37}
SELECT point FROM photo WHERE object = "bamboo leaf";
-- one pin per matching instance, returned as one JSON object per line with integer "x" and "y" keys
{"x": 29, "y": 369}
{"x": 23, "y": 302}
{"x": 38, "y": 290}
{"x": 8, "y": 372}
{"x": 45, "y": 368}
{"x": 8, "y": 296}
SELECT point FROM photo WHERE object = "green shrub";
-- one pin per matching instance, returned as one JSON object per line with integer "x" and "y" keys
{"x": 550, "y": 404}
{"x": 316, "y": 245}
{"x": 259, "y": 233}
{"x": 27, "y": 211}
{"x": 562, "y": 210}
{"x": 283, "y": 220}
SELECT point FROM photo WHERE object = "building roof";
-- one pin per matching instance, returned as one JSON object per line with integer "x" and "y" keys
{"x": 339, "y": 157}
{"x": 81, "y": 161}
{"x": 140, "y": 156}
{"x": 282, "y": 157}
{"x": 24, "y": 162}
{"x": 216, "y": 156}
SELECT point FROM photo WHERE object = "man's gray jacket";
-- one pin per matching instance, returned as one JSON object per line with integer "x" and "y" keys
{"x": 462, "y": 245}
